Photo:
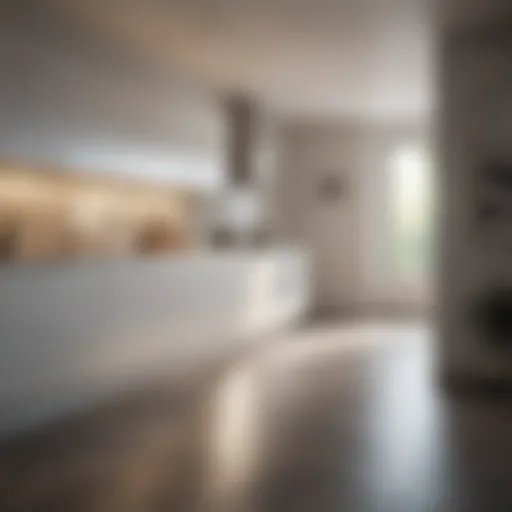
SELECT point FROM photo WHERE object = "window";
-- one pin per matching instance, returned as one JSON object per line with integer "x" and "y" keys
{"x": 411, "y": 216}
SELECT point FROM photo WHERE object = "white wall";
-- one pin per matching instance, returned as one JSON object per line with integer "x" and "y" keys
{"x": 345, "y": 238}
{"x": 330, "y": 233}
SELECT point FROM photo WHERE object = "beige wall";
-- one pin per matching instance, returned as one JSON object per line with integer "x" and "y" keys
{"x": 330, "y": 232}
{"x": 344, "y": 238}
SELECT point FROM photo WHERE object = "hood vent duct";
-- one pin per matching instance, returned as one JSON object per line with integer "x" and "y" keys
{"x": 242, "y": 114}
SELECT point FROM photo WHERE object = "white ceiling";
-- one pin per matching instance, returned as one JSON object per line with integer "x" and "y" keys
{"x": 368, "y": 59}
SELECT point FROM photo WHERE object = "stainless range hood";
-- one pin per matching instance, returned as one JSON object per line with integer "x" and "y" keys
{"x": 238, "y": 216}
{"x": 242, "y": 144}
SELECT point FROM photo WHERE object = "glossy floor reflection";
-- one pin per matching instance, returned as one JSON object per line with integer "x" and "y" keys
{"x": 335, "y": 418}
{"x": 350, "y": 419}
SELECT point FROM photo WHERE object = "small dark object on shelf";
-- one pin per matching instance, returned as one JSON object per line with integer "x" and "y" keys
{"x": 222, "y": 238}
{"x": 488, "y": 212}
{"x": 492, "y": 314}
{"x": 332, "y": 187}
{"x": 498, "y": 174}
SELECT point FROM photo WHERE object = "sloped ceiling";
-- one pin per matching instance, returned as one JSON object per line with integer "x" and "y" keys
{"x": 368, "y": 59}
{"x": 73, "y": 94}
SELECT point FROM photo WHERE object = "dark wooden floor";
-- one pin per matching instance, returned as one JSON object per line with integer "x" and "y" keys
{"x": 334, "y": 419}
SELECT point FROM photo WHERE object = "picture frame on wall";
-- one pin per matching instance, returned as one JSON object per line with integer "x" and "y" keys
{"x": 332, "y": 188}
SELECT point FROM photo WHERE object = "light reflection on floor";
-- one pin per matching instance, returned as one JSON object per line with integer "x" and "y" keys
{"x": 253, "y": 404}
{"x": 338, "y": 417}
